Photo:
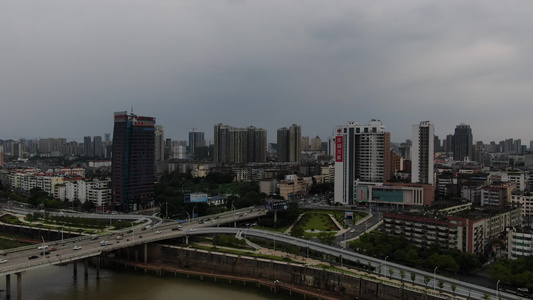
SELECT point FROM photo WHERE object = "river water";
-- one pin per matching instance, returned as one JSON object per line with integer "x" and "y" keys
{"x": 58, "y": 283}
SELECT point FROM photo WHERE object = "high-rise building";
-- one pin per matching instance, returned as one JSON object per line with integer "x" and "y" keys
{"x": 159, "y": 150}
{"x": 508, "y": 146}
{"x": 239, "y": 145}
{"x": 448, "y": 143}
{"x": 196, "y": 139}
{"x": 316, "y": 143}
{"x": 133, "y": 161}
{"x": 159, "y": 153}
{"x": 437, "y": 144}
{"x": 304, "y": 145}
{"x": 362, "y": 153}
{"x": 256, "y": 144}
{"x": 518, "y": 147}
{"x": 289, "y": 141}
{"x": 463, "y": 142}
{"x": 88, "y": 144}
{"x": 98, "y": 146}
{"x": 422, "y": 153}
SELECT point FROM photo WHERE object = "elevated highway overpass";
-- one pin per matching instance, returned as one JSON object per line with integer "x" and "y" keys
{"x": 18, "y": 260}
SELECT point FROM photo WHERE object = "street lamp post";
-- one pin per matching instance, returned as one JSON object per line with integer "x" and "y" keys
{"x": 188, "y": 219}
{"x": 44, "y": 248}
{"x": 385, "y": 264}
{"x": 345, "y": 233}
{"x": 497, "y": 288}
{"x": 233, "y": 208}
{"x": 132, "y": 232}
{"x": 434, "y": 275}
{"x": 193, "y": 213}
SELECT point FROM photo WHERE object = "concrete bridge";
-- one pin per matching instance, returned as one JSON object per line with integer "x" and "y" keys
{"x": 137, "y": 242}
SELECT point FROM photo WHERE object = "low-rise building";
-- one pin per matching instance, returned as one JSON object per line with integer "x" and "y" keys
{"x": 294, "y": 187}
{"x": 497, "y": 194}
{"x": 404, "y": 194}
{"x": 525, "y": 200}
{"x": 519, "y": 242}
{"x": 66, "y": 184}
{"x": 465, "y": 230}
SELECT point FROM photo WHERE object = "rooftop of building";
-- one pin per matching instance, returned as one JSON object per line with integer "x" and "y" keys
{"x": 442, "y": 210}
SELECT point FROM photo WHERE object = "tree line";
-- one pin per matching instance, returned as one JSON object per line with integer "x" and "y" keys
{"x": 400, "y": 250}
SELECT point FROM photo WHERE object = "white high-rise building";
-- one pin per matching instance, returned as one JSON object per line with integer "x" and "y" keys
{"x": 422, "y": 153}
{"x": 362, "y": 153}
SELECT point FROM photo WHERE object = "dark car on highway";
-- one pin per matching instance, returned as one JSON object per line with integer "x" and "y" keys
{"x": 33, "y": 257}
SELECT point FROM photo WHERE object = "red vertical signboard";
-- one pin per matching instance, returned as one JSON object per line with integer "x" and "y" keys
{"x": 339, "y": 148}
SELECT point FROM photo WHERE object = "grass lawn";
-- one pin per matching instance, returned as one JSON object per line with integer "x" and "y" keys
{"x": 10, "y": 219}
{"x": 316, "y": 221}
{"x": 7, "y": 243}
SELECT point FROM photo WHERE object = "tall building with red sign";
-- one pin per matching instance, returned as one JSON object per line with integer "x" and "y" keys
{"x": 133, "y": 161}
{"x": 362, "y": 154}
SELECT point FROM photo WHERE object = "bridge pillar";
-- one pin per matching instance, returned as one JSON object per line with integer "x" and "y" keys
{"x": 136, "y": 255}
{"x": 8, "y": 286}
{"x": 75, "y": 269}
{"x": 98, "y": 263}
{"x": 145, "y": 253}
{"x": 86, "y": 268}
{"x": 19, "y": 286}
{"x": 186, "y": 240}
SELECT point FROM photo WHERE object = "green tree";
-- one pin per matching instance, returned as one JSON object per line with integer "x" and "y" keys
{"x": 453, "y": 286}
{"x": 297, "y": 231}
{"x": 391, "y": 271}
{"x": 427, "y": 279}
{"x": 402, "y": 275}
{"x": 440, "y": 284}
{"x": 411, "y": 256}
{"x": 37, "y": 195}
{"x": 327, "y": 238}
{"x": 413, "y": 277}
{"x": 88, "y": 206}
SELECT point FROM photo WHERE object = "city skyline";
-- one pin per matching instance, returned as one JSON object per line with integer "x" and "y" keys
{"x": 209, "y": 140}
{"x": 66, "y": 68}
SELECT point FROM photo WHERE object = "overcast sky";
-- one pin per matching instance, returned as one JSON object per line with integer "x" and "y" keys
{"x": 67, "y": 66}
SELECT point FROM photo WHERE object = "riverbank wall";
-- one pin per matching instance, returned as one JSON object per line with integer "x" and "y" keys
{"x": 312, "y": 281}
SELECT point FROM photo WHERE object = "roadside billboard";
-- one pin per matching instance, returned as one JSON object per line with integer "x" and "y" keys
{"x": 275, "y": 204}
{"x": 196, "y": 198}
